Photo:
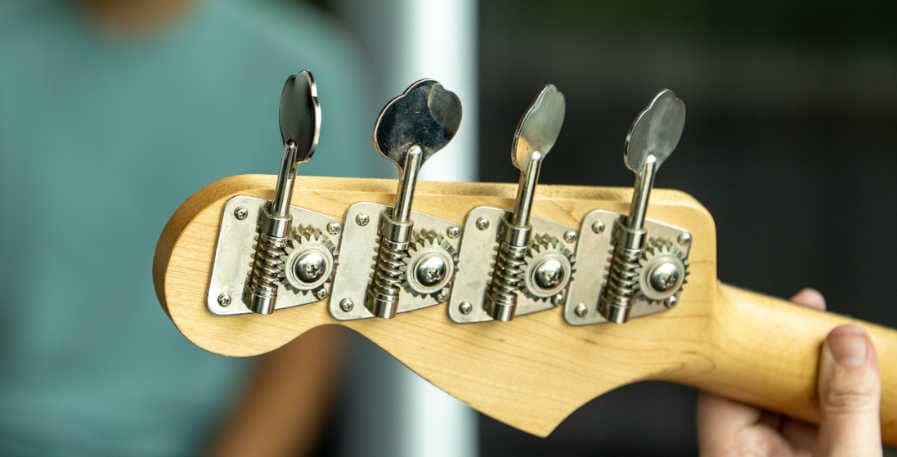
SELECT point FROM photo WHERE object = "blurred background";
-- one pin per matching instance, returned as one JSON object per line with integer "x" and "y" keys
{"x": 790, "y": 142}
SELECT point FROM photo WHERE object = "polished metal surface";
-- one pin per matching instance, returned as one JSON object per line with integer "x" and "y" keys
{"x": 663, "y": 268}
{"x": 300, "y": 124}
{"x": 310, "y": 260}
{"x": 652, "y": 138}
{"x": 539, "y": 127}
{"x": 548, "y": 267}
{"x": 359, "y": 245}
{"x": 409, "y": 130}
{"x": 478, "y": 252}
{"x": 432, "y": 263}
{"x": 593, "y": 261}
{"x": 536, "y": 134}
{"x": 234, "y": 254}
{"x": 425, "y": 115}
{"x": 656, "y": 131}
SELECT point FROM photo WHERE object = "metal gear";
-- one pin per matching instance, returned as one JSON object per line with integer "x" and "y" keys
{"x": 309, "y": 261}
{"x": 663, "y": 269}
{"x": 548, "y": 268}
{"x": 431, "y": 264}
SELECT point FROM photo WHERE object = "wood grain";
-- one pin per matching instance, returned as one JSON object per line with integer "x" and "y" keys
{"x": 536, "y": 370}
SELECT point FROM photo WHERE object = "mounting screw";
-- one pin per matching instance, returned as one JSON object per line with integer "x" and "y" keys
{"x": 346, "y": 305}
{"x": 570, "y": 236}
{"x": 597, "y": 227}
{"x": 443, "y": 294}
{"x": 482, "y": 223}
{"x": 334, "y": 228}
{"x": 321, "y": 294}
{"x": 453, "y": 232}
{"x": 241, "y": 213}
{"x": 664, "y": 277}
{"x": 558, "y": 298}
{"x": 581, "y": 310}
{"x": 684, "y": 238}
{"x": 362, "y": 219}
{"x": 465, "y": 307}
{"x": 224, "y": 300}
{"x": 671, "y": 302}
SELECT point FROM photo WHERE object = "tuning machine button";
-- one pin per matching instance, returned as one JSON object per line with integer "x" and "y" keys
{"x": 515, "y": 264}
{"x": 653, "y": 137}
{"x": 409, "y": 130}
{"x": 300, "y": 124}
{"x": 535, "y": 136}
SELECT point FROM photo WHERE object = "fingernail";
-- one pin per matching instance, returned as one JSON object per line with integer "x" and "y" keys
{"x": 848, "y": 345}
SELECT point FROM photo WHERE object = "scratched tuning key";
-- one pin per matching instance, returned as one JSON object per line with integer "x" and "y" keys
{"x": 653, "y": 137}
{"x": 535, "y": 136}
{"x": 409, "y": 130}
{"x": 300, "y": 126}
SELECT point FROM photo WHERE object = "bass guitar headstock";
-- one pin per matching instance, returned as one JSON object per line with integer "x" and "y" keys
{"x": 493, "y": 292}
{"x": 524, "y": 301}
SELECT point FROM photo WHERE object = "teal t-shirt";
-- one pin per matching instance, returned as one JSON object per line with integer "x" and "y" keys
{"x": 101, "y": 139}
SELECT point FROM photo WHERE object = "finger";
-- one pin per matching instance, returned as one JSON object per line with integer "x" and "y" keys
{"x": 811, "y": 298}
{"x": 720, "y": 420}
{"x": 849, "y": 394}
{"x": 800, "y": 435}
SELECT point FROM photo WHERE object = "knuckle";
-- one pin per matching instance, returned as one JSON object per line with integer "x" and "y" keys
{"x": 849, "y": 398}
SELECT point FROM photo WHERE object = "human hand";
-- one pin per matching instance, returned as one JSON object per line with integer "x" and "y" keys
{"x": 849, "y": 391}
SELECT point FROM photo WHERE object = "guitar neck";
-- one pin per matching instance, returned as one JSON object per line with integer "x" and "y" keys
{"x": 535, "y": 370}
{"x": 765, "y": 351}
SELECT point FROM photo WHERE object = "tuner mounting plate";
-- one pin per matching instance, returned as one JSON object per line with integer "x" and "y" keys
{"x": 594, "y": 250}
{"x": 358, "y": 255}
{"x": 478, "y": 250}
{"x": 234, "y": 254}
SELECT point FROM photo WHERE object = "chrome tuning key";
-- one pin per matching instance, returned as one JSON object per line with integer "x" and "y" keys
{"x": 271, "y": 255}
{"x": 649, "y": 260}
{"x": 653, "y": 137}
{"x": 531, "y": 260}
{"x": 415, "y": 258}
{"x": 300, "y": 125}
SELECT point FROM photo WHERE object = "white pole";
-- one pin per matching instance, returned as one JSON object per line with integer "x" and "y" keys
{"x": 439, "y": 39}
{"x": 414, "y": 39}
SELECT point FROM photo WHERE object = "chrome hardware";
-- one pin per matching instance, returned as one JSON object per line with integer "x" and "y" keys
{"x": 409, "y": 130}
{"x": 634, "y": 272}
{"x": 300, "y": 282}
{"x": 310, "y": 260}
{"x": 548, "y": 267}
{"x": 536, "y": 134}
{"x": 359, "y": 245}
{"x": 653, "y": 137}
{"x": 300, "y": 123}
{"x": 667, "y": 246}
{"x": 478, "y": 251}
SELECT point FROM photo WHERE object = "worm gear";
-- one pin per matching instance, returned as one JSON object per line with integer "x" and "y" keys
{"x": 548, "y": 268}
{"x": 309, "y": 260}
{"x": 432, "y": 262}
{"x": 662, "y": 272}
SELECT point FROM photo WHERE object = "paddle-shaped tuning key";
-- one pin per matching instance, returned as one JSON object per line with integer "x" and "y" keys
{"x": 535, "y": 136}
{"x": 409, "y": 130}
{"x": 300, "y": 125}
{"x": 653, "y": 137}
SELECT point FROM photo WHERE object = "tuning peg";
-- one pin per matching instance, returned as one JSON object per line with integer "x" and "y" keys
{"x": 300, "y": 125}
{"x": 535, "y": 136}
{"x": 652, "y": 138}
{"x": 409, "y": 130}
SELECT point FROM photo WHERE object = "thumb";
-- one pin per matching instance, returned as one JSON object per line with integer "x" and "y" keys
{"x": 849, "y": 393}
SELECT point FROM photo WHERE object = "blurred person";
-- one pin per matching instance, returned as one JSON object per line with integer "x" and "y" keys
{"x": 112, "y": 112}
{"x": 849, "y": 391}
